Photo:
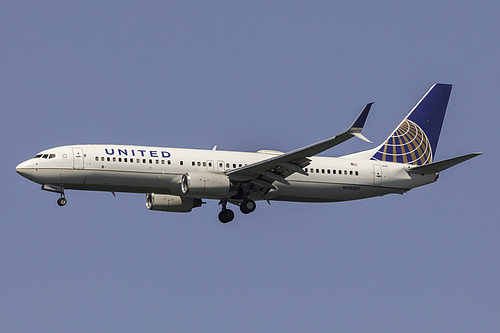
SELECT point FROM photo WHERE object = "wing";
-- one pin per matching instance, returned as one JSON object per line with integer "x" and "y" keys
{"x": 264, "y": 173}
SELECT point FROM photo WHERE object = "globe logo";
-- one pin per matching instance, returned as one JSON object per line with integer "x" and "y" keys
{"x": 408, "y": 144}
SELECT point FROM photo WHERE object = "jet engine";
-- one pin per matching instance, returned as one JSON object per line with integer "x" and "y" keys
{"x": 206, "y": 185}
{"x": 171, "y": 203}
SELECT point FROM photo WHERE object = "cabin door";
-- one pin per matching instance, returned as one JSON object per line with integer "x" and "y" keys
{"x": 77, "y": 158}
{"x": 377, "y": 175}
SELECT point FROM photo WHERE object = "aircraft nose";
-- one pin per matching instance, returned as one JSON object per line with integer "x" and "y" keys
{"x": 24, "y": 169}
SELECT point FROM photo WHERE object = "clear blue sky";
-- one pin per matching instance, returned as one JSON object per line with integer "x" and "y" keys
{"x": 247, "y": 76}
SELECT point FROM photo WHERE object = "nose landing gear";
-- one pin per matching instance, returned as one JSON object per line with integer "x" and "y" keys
{"x": 57, "y": 189}
{"x": 62, "y": 201}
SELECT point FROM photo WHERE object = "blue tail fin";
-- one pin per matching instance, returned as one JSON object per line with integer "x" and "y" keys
{"x": 415, "y": 140}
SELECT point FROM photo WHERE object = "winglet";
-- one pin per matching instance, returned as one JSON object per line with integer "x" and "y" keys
{"x": 358, "y": 124}
{"x": 360, "y": 136}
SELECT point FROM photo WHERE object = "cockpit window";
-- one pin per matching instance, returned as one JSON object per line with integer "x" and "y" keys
{"x": 45, "y": 156}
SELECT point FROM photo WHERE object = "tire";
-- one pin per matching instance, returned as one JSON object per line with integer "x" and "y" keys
{"x": 226, "y": 216}
{"x": 247, "y": 206}
{"x": 62, "y": 201}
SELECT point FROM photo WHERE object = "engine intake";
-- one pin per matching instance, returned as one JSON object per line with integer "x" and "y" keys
{"x": 206, "y": 185}
{"x": 171, "y": 203}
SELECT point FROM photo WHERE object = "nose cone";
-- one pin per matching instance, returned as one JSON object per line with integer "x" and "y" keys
{"x": 20, "y": 168}
{"x": 26, "y": 169}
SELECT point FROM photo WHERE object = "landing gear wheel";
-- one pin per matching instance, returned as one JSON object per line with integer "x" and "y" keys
{"x": 62, "y": 201}
{"x": 226, "y": 215}
{"x": 247, "y": 206}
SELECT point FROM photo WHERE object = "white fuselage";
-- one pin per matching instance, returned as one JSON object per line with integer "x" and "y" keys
{"x": 122, "y": 168}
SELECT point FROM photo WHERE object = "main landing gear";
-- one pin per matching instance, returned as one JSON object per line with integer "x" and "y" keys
{"x": 247, "y": 206}
{"x": 227, "y": 215}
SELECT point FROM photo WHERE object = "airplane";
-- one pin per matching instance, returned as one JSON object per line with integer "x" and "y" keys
{"x": 178, "y": 180}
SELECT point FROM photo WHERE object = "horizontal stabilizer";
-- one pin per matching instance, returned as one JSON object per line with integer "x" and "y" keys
{"x": 442, "y": 165}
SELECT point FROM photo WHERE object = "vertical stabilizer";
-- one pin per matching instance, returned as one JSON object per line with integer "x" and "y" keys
{"x": 415, "y": 140}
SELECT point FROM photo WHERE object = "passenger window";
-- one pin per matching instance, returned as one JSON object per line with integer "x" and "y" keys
{"x": 157, "y": 161}
{"x": 162, "y": 161}
{"x": 356, "y": 173}
{"x": 97, "y": 159}
{"x": 169, "y": 162}
{"x": 193, "y": 163}
{"x": 138, "y": 160}
{"x": 150, "y": 161}
{"x": 102, "y": 159}
{"x": 350, "y": 172}
{"x": 227, "y": 165}
{"x": 125, "y": 160}
{"x": 322, "y": 170}
{"x": 317, "y": 170}
{"x": 204, "y": 164}
{"x": 234, "y": 165}
{"x": 181, "y": 162}
{"x": 144, "y": 160}
{"x": 241, "y": 165}
{"x": 334, "y": 171}
{"x": 345, "y": 172}
{"x": 210, "y": 164}
{"x": 109, "y": 159}
{"x": 114, "y": 159}
{"x": 119, "y": 159}
{"x": 328, "y": 171}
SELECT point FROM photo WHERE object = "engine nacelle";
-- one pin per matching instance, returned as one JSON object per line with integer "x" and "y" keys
{"x": 206, "y": 185}
{"x": 171, "y": 203}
